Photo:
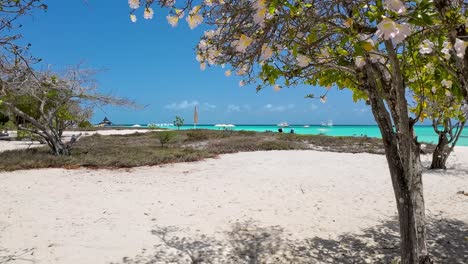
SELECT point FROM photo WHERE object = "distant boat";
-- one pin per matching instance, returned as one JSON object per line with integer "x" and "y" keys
{"x": 328, "y": 124}
{"x": 224, "y": 125}
{"x": 136, "y": 126}
{"x": 306, "y": 126}
{"x": 283, "y": 124}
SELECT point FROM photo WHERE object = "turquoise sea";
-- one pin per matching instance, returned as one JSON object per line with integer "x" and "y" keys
{"x": 424, "y": 133}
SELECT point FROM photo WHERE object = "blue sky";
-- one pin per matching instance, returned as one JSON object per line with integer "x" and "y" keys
{"x": 154, "y": 64}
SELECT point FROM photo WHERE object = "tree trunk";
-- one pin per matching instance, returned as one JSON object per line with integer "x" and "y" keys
{"x": 58, "y": 147}
{"x": 408, "y": 190}
{"x": 441, "y": 153}
{"x": 403, "y": 156}
{"x": 406, "y": 175}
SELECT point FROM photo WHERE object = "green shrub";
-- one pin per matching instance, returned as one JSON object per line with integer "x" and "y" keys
{"x": 85, "y": 124}
{"x": 197, "y": 135}
{"x": 10, "y": 125}
{"x": 165, "y": 137}
{"x": 152, "y": 126}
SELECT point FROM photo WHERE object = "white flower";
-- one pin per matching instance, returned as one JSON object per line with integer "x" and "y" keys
{"x": 404, "y": 31}
{"x": 276, "y": 88}
{"x": 460, "y": 48}
{"x": 228, "y": 73}
{"x": 388, "y": 29}
{"x": 434, "y": 90}
{"x": 194, "y": 19}
{"x": 360, "y": 62}
{"x": 302, "y": 60}
{"x": 149, "y": 13}
{"x": 133, "y": 18}
{"x": 134, "y": 4}
{"x": 446, "y": 83}
{"x": 395, "y": 6}
{"x": 447, "y": 46}
{"x": 242, "y": 43}
{"x": 210, "y": 34}
{"x": 267, "y": 52}
{"x": 241, "y": 83}
{"x": 199, "y": 57}
{"x": 448, "y": 93}
{"x": 172, "y": 20}
{"x": 430, "y": 68}
{"x": 213, "y": 53}
{"x": 202, "y": 66}
{"x": 426, "y": 47}
{"x": 260, "y": 12}
{"x": 202, "y": 45}
{"x": 243, "y": 70}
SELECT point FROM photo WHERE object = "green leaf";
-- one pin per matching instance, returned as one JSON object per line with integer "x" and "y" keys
{"x": 342, "y": 51}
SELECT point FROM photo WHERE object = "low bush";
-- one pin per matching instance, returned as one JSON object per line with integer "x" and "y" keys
{"x": 146, "y": 149}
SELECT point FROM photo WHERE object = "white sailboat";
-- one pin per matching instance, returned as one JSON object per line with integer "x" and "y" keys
{"x": 328, "y": 124}
{"x": 283, "y": 124}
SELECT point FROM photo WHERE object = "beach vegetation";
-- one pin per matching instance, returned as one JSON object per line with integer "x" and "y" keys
{"x": 178, "y": 122}
{"x": 141, "y": 149}
{"x": 45, "y": 103}
{"x": 165, "y": 137}
{"x": 357, "y": 45}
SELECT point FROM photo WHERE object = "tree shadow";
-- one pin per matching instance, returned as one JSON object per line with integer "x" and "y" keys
{"x": 249, "y": 243}
{"x": 22, "y": 256}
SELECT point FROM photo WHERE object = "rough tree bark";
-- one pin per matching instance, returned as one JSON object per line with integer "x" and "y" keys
{"x": 446, "y": 143}
{"x": 402, "y": 150}
{"x": 49, "y": 134}
{"x": 440, "y": 154}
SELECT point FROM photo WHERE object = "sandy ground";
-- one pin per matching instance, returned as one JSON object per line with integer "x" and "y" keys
{"x": 298, "y": 206}
{"x": 11, "y": 145}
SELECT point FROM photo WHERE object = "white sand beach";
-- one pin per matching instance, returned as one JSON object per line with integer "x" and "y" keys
{"x": 11, "y": 145}
{"x": 338, "y": 206}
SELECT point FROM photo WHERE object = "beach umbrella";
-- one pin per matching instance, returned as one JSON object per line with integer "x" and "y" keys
{"x": 195, "y": 117}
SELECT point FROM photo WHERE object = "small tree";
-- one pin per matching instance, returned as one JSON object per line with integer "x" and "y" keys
{"x": 178, "y": 122}
{"x": 12, "y": 52}
{"x": 165, "y": 137}
{"x": 49, "y": 103}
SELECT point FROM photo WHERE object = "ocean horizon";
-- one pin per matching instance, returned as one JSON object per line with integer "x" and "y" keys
{"x": 425, "y": 133}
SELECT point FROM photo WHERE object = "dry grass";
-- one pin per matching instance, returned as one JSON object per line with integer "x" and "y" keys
{"x": 124, "y": 151}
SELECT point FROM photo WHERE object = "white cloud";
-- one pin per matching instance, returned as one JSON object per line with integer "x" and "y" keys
{"x": 184, "y": 105}
{"x": 238, "y": 108}
{"x": 278, "y": 108}
{"x": 208, "y": 106}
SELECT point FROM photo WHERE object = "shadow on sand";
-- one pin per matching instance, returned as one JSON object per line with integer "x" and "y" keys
{"x": 250, "y": 243}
